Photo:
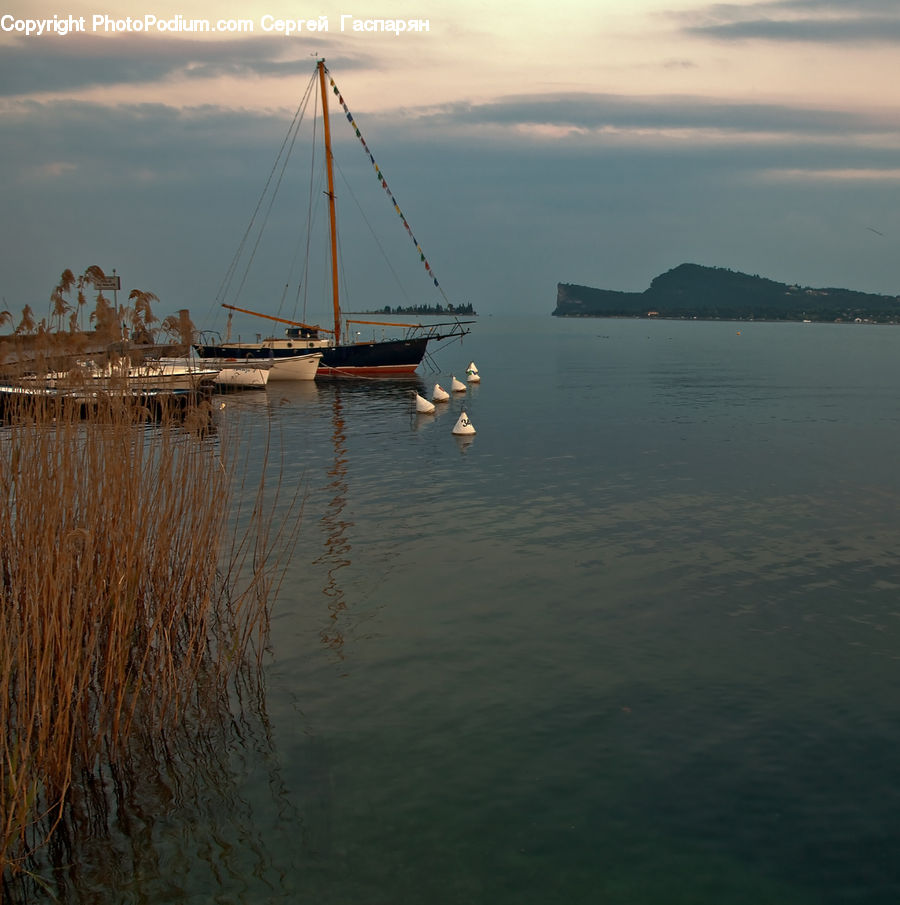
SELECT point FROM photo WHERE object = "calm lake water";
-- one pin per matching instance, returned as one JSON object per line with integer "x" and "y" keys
{"x": 635, "y": 642}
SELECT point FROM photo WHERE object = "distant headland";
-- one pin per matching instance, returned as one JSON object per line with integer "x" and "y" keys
{"x": 692, "y": 291}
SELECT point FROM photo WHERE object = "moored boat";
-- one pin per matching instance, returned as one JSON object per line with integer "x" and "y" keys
{"x": 18, "y": 399}
{"x": 340, "y": 358}
{"x": 376, "y": 358}
{"x": 251, "y": 364}
{"x": 122, "y": 374}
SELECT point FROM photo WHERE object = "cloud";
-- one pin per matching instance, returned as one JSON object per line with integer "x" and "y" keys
{"x": 114, "y": 147}
{"x": 806, "y": 21}
{"x": 49, "y": 171}
{"x": 77, "y": 146}
{"x": 846, "y": 31}
{"x": 568, "y": 115}
{"x": 506, "y": 195}
{"x": 35, "y": 66}
{"x": 840, "y": 175}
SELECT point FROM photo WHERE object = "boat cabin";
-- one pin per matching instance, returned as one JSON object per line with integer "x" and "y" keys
{"x": 302, "y": 333}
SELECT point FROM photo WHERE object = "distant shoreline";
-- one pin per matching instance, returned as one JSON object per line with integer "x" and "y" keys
{"x": 729, "y": 320}
{"x": 696, "y": 292}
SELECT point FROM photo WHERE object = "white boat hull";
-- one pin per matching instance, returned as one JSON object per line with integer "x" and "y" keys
{"x": 241, "y": 376}
{"x": 299, "y": 367}
{"x": 232, "y": 372}
{"x": 151, "y": 375}
{"x": 280, "y": 357}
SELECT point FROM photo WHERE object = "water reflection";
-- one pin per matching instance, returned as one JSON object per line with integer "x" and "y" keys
{"x": 463, "y": 442}
{"x": 336, "y": 554}
{"x": 159, "y": 823}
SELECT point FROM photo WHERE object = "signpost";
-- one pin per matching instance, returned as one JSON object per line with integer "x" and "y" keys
{"x": 115, "y": 283}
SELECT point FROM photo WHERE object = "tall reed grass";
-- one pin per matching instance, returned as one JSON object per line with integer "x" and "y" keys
{"x": 137, "y": 565}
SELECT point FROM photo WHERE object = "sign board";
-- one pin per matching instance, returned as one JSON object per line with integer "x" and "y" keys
{"x": 108, "y": 283}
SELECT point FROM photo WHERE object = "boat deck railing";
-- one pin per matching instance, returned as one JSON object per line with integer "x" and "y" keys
{"x": 438, "y": 331}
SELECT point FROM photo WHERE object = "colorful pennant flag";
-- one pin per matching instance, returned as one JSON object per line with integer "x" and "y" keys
{"x": 380, "y": 176}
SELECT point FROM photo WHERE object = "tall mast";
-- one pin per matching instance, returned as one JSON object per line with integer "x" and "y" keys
{"x": 329, "y": 167}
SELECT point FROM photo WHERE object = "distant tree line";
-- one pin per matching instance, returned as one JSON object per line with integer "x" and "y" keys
{"x": 430, "y": 309}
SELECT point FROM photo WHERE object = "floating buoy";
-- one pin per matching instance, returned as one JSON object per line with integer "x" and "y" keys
{"x": 463, "y": 426}
{"x": 472, "y": 371}
{"x": 439, "y": 394}
{"x": 457, "y": 385}
{"x": 423, "y": 405}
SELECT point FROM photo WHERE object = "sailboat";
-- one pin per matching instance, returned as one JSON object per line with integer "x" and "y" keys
{"x": 340, "y": 357}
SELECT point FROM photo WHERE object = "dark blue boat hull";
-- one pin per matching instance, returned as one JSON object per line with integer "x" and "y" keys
{"x": 388, "y": 358}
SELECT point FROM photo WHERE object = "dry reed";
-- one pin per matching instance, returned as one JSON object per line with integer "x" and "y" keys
{"x": 120, "y": 587}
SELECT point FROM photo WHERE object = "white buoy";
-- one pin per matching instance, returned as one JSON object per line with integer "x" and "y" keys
{"x": 423, "y": 406}
{"x": 472, "y": 371}
{"x": 439, "y": 394}
{"x": 457, "y": 385}
{"x": 463, "y": 426}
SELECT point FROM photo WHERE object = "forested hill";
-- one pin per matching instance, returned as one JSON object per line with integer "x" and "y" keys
{"x": 709, "y": 293}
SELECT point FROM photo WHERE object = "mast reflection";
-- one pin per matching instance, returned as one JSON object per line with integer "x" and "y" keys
{"x": 336, "y": 554}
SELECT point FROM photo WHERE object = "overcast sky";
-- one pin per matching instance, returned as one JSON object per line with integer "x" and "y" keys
{"x": 599, "y": 142}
